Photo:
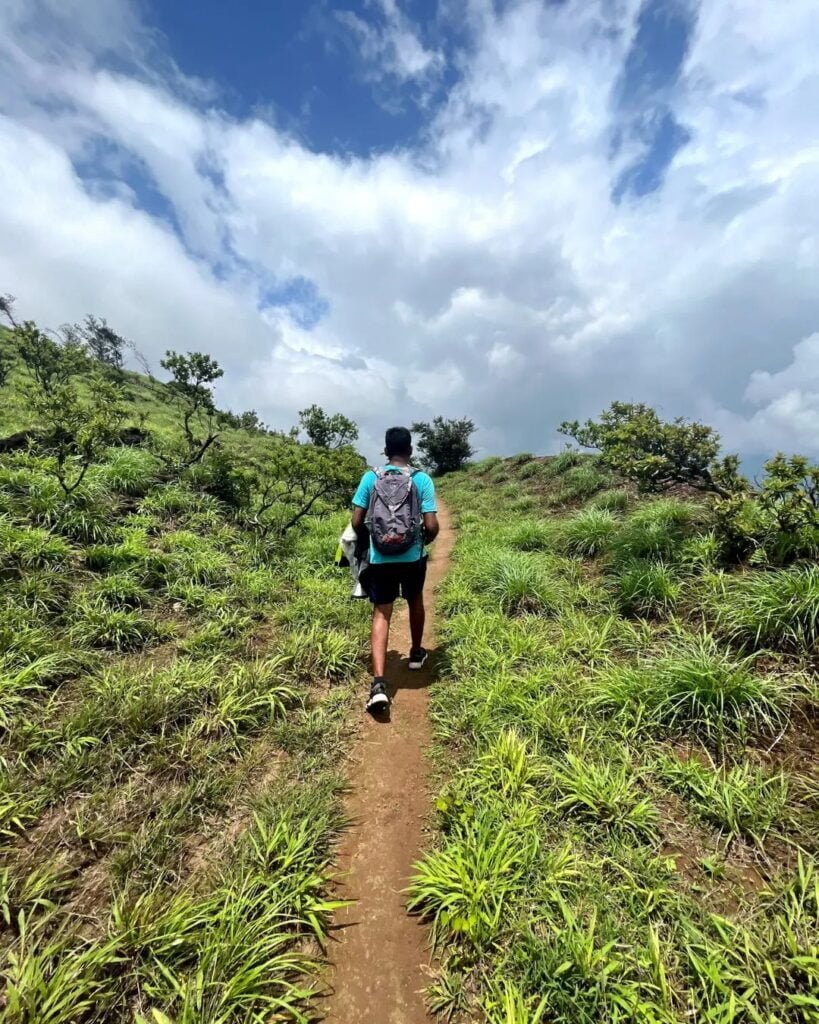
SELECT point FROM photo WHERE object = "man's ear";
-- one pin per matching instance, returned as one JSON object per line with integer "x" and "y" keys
{"x": 410, "y": 451}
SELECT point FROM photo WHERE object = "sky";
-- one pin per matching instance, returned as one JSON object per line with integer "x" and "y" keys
{"x": 512, "y": 210}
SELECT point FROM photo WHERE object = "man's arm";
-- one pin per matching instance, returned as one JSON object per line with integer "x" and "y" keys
{"x": 431, "y": 526}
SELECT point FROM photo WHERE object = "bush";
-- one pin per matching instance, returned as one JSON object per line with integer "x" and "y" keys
{"x": 118, "y": 629}
{"x": 518, "y": 584}
{"x": 532, "y": 535}
{"x": 30, "y": 547}
{"x": 578, "y": 484}
{"x": 741, "y": 799}
{"x": 128, "y": 471}
{"x": 636, "y": 443}
{"x": 120, "y": 590}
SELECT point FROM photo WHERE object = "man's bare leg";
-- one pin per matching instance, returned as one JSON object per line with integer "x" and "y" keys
{"x": 382, "y": 613}
{"x": 417, "y": 619}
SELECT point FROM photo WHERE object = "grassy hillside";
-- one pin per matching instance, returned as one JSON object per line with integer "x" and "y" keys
{"x": 173, "y": 693}
{"x": 632, "y": 831}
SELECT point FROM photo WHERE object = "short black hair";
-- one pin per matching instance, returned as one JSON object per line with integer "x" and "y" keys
{"x": 398, "y": 441}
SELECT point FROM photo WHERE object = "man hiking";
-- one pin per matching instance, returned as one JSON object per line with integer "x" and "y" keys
{"x": 394, "y": 507}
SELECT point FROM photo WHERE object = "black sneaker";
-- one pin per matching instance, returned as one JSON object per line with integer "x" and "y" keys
{"x": 418, "y": 655}
{"x": 379, "y": 699}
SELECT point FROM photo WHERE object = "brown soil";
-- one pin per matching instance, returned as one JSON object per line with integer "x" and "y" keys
{"x": 380, "y": 953}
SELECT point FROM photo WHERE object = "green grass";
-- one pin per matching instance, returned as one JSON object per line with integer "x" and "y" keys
{"x": 777, "y": 609}
{"x": 605, "y": 703}
{"x": 174, "y": 707}
{"x": 647, "y": 589}
{"x": 697, "y": 687}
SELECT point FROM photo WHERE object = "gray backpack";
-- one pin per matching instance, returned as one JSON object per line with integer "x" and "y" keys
{"x": 394, "y": 513}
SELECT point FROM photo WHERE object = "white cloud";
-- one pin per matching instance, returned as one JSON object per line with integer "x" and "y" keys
{"x": 490, "y": 274}
{"x": 392, "y": 46}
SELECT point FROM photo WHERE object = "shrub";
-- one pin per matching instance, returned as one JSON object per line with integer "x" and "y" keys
{"x": 608, "y": 792}
{"x": 532, "y": 535}
{"x": 647, "y": 589}
{"x": 635, "y": 442}
{"x": 588, "y": 533}
{"x": 578, "y": 484}
{"x": 487, "y": 465}
{"x": 30, "y": 547}
{"x": 120, "y": 590}
{"x": 517, "y": 583}
{"x": 318, "y": 653}
{"x": 557, "y": 465}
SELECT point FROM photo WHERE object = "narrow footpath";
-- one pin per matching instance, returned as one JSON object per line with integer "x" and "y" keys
{"x": 379, "y": 952}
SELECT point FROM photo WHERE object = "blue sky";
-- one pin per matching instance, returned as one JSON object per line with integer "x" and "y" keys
{"x": 399, "y": 208}
{"x": 297, "y": 61}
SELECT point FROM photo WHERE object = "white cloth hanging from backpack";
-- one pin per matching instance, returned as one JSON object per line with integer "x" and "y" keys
{"x": 350, "y": 546}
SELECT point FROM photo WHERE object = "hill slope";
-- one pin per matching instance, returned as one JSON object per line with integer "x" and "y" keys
{"x": 168, "y": 737}
{"x": 632, "y": 834}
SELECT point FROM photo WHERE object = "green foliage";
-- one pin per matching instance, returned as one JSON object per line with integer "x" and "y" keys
{"x": 444, "y": 444}
{"x": 608, "y": 792}
{"x": 612, "y": 500}
{"x": 99, "y": 340}
{"x": 294, "y": 482}
{"x": 742, "y": 800}
{"x": 100, "y": 625}
{"x": 588, "y": 533}
{"x": 561, "y": 729}
{"x": 771, "y": 609}
{"x": 636, "y": 443}
{"x": 79, "y": 422}
{"x": 648, "y": 589}
{"x": 577, "y": 483}
{"x": 518, "y": 584}
{"x": 656, "y": 529}
{"x": 696, "y": 686}
{"x": 191, "y": 388}
{"x": 325, "y": 431}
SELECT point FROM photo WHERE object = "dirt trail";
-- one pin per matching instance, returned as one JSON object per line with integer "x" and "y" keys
{"x": 379, "y": 957}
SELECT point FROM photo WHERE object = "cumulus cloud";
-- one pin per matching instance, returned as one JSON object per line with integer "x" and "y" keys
{"x": 489, "y": 273}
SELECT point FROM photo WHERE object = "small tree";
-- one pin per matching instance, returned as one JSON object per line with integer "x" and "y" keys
{"x": 81, "y": 412}
{"x": 294, "y": 481}
{"x": 7, "y": 308}
{"x": 191, "y": 388}
{"x": 327, "y": 431}
{"x": 634, "y": 441}
{"x": 444, "y": 444}
{"x": 82, "y": 424}
{"x": 48, "y": 364}
{"x": 101, "y": 341}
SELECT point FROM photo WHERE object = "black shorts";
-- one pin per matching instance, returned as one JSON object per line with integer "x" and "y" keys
{"x": 386, "y": 580}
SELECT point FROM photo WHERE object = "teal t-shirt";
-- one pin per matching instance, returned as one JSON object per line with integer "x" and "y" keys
{"x": 426, "y": 498}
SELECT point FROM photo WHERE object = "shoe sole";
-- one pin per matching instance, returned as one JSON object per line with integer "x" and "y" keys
{"x": 415, "y": 665}
{"x": 377, "y": 704}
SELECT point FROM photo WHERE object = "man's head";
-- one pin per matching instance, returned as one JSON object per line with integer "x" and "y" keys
{"x": 398, "y": 443}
